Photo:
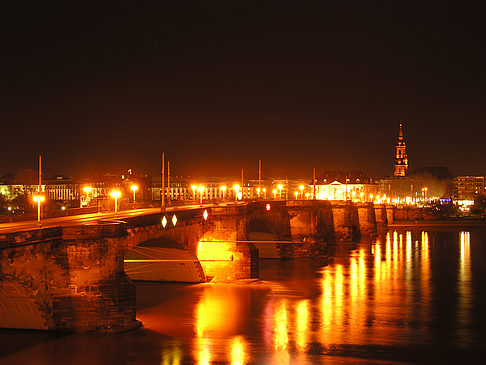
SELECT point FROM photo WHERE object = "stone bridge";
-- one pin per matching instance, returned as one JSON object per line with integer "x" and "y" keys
{"x": 75, "y": 278}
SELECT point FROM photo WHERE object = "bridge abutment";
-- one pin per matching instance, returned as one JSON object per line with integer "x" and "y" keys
{"x": 66, "y": 279}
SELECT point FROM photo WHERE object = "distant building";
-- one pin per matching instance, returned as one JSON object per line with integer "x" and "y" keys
{"x": 401, "y": 159}
{"x": 345, "y": 185}
{"x": 468, "y": 187}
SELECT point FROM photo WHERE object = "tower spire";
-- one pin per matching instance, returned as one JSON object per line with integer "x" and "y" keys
{"x": 401, "y": 159}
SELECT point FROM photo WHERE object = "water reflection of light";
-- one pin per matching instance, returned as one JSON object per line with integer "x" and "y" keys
{"x": 362, "y": 273}
{"x": 302, "y": 320}
{"x": 425, "y": 265}
{"x": 464, "y": 286}
{"x": 238, "y": 351}
{"x": 281, "y": 336}
{"x": 327, "y": 302}
{"x": 217, "y": 315}
{"x": 171, "y": 355}
{"x": 281, "y": 339}
{"x": 353, "y": 284}
{"x": 408, "y": 256}
{"x": 377, "y": 262}
{"x": 203, "y": 353}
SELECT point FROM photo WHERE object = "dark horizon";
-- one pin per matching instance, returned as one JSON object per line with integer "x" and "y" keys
{"x": 218, "y": 86}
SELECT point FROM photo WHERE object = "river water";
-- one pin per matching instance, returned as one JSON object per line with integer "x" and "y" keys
{"x": 412, "y": 296}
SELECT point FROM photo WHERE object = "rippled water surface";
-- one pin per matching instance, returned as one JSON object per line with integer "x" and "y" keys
{"x": 410, "y": 297}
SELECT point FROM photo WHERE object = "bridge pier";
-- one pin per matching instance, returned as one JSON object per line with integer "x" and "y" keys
{"x": 390, "y": 214}
{"x": 381, "y": 217}
{"x": 367, "y": 219}
{"x": 345, "y": 215}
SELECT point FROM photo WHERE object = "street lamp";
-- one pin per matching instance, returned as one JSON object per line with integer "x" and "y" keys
{"x": 223, "y": 189}
{"x": 237, "y": 190}
{"x": 264, "y": 193}
{"x": 201, "y": 189}
{"x": 134, "y": 189}
{"x": 274, "y": 193}
{"x": 38, "y": 199}
{"x": 258, "y": 192}
{"x": 301, "y": 187}
{"x": 116, "y": 194}
{"x": 425, "y": 193}
{"x": 193, "y": 187}
{"x": 280, "y": 186}
{"x": 87, "y": 190}
{"x": 296, "y": 195}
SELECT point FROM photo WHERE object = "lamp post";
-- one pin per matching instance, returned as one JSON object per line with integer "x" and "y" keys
{"x": 87, "y": 190}
{"x": 264, "y": 193}
{"x": 193, "y": 187}
{"x": 134, "y": 189}
{"x": 280, "y": 186}
{"x": 258, "y": 192}
{"x": 275, "y": 194}
{"x": 223, "y": 189}
{"x": 38, "y": 199}
{"x": 301, "y": 187}
{"x": 116, "y": 194}
{"x": 201, "y": 189}
{"x": 237, "y": 190}
{"x": 296, "y": 195}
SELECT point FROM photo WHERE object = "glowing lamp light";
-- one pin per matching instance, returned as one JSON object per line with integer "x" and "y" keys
{"x": 115, "y": 194}
{"x": 164, "y": 221}
{"x": 87, "y": 189}
{"x": 268, "y": 207}
{"x": 274, "y": 193}
{"x": 134, "y": 189}
{"x": 174, "y": 220}
{"x": 38, "y": 199}
{"x": 236, "y": 187}
{"x": 296, "y": 193}
{"x": 201, "y": 189}
{"x": 205, "y": 215}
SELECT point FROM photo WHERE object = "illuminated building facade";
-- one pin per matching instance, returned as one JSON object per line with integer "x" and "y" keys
{"x": 351, "y": 185}
{"x": 401, "y": 159}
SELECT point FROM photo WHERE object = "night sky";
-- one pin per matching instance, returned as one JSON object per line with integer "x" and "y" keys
{"x": 218, "y": 85}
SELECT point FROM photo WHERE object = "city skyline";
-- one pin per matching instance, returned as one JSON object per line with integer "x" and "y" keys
{"x": 218, "y": 86}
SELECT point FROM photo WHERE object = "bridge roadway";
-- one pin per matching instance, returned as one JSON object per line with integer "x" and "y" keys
{"x": 88, "y": 219}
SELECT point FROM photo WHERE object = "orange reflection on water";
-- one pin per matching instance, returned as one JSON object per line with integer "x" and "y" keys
{"x": 172, "y": 354}
{"x": 302, "y": 323}
{"x": 281, "y": 338}
{"x": 464, "y": 286}
{"x": 202, "y": 353}
{"x": 238, "y": 356}
{"x": 218, "y": 317}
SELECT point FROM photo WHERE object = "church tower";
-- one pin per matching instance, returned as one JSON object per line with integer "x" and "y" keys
{"x": 401, "y": 160}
